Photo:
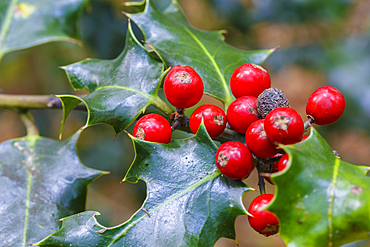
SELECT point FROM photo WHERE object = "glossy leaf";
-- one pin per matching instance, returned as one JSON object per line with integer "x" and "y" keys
{"x": 42, "y": 181}
{"x": 24, "y": 24}
{"x": 189, "y": 203}
{"x": 321, "y": 200}
{"x": 178, "y": 42}
{"x": 120, "y": 89}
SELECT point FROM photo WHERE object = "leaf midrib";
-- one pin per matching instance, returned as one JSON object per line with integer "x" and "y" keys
{"x": 228, "y": 96}
{"x": 153, "y": 98}
{"x": 331, "y": 200}
{"x": 125, "y": 88}
{"x": 31, "y": 143}
{"x": 6, "y": 25}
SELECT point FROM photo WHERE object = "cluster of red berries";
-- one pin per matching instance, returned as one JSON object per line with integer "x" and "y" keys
{"x": 261, "y": 113}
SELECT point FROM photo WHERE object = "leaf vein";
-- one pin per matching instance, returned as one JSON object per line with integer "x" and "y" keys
{"x": 125, "y": 88}
{"x": 209, "y": 177}
{"x": 6, "y": 25}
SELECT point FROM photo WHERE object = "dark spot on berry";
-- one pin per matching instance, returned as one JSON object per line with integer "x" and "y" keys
{"x": 140, "y": 134}
{"x": 222, "y": 159}
{"x": 270, "y": 228}
{"x": 184, "y": 77}
{"x": 219, "y": 119}
{"x": 253, "y": 111}
{"x": 282, "y": 122}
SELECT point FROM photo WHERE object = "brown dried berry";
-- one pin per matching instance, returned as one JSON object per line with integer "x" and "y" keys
{"x": 270, "y": 99}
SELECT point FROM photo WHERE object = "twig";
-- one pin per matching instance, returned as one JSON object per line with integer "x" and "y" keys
{"x": 261, "y": 181}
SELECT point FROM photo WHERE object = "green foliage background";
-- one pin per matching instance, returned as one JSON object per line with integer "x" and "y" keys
{"x": 319, "y": 40}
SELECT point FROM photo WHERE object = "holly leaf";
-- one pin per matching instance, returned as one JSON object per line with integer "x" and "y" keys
{"x": 189, "y": 203}
{"x": 24, "y": 24}
{"x": 178, "y": 42}
{"x": 120, "y": 89}
{"x": 42, "y": 181}
{"x": 321, "y": 200}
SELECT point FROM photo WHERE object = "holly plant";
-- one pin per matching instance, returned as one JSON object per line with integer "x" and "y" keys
{"x": 194, "y": 185}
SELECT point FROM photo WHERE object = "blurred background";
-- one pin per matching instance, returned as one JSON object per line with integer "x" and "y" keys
{"x": 319, "y": 43}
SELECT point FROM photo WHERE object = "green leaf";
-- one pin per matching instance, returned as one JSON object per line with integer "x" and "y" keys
{"x": 321, "y": 200}
{"x": 178, "y": 42}
{"x": 120, "y": 89}
{"x": 189, "y": 203}
{"x": 42, "y": 181}
{"x": 361, "y": 243}
{"x": 24, "y": 24}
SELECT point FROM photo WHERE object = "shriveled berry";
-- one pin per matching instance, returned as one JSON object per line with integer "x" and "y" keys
{"x": 270, "y": 99}
{"x": 284, "y": 125}
{"x": 153, "y": 128}
{"x": 241, "y": 113}
{"x": 325, "y": 105}
{"x": 234, "y": 160}
{"x": 214, "y": 119}
{"x": 183, "y": 86}
{"x": 249, "y": 79}
{"x": 263, "y": 221}
{"x": 257, "y": 141}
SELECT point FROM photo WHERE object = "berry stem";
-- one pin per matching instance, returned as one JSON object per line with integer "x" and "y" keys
{"x": 230, "y": 135}
{"x": 161, "y": 105}
{"x": 179, "y": 118}
{"x": 261, "y": 181}
{"x": 308, "y": 123}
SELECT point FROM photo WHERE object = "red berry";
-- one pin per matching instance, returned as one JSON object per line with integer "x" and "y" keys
{"x": 304, "y": 137}
{"x": 263, "y": 221}
{"x": 183, "y": 86}
{"x": 249, "y": 79}
{"x": 241, "y": 113}
{"x": 214, "y": 119}
{"x": 234, "y": 160}
{"x": 325, "y": 105}
{"x": 257, "y": 141}
{"x": 153, "y": 128}
{"x": 283, "y": 162}
{"x": 284, "y": 125}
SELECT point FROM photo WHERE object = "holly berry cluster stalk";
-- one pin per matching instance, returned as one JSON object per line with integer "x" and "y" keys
{"x": 260, "y": 113}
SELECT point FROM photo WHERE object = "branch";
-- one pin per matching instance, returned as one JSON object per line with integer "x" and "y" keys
{"x": 13, "y": 102}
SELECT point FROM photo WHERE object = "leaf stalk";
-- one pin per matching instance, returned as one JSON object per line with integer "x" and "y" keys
{"x": 30, "y": 124}
{"x": 261, "y": 181}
